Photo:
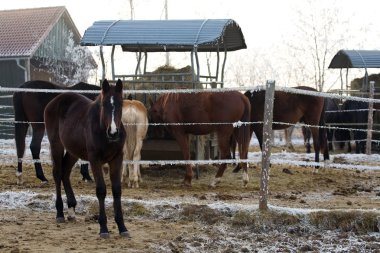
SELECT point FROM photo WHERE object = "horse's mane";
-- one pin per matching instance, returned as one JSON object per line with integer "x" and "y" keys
{"x": 165, "y": 98}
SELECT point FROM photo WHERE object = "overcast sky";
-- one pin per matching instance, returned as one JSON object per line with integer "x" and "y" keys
{"x": 265, "y": 24}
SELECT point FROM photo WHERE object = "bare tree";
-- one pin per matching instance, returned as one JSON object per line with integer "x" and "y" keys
{"x": 319, "y": 35}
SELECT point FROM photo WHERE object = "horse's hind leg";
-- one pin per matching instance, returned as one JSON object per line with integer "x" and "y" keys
{"x": 67, "y": 165}
{"x": 134, "y": 174}
{"x": 20, "y": 134}
{"x": 57, "y": 151}
{"x": 35, "y": 148}
{"x": 85, "y": 172}
{"x": 316, "y": 144}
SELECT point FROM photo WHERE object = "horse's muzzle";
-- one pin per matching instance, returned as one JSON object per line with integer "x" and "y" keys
{"x": 113, "y": 137}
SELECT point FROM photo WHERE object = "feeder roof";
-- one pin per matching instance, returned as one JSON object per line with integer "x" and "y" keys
{"x": 356, "y": 59}
{"x": 208, "y": 35}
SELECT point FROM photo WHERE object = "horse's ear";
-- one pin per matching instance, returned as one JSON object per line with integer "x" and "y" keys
{"x": 119, "y": 86}
{"x": 105, "y": 86}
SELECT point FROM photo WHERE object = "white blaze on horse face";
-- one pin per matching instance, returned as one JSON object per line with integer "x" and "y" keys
{"x": 113, "y": 124}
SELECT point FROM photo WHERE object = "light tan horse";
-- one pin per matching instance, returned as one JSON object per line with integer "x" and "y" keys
{"x": 135, "y": 121}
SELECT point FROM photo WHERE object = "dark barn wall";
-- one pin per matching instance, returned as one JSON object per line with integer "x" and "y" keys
{"x": 11, "y": 75}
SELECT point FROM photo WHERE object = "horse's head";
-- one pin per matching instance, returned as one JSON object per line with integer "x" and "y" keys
{"x": 111, "y": 101}
{"x": 155, "y": 115}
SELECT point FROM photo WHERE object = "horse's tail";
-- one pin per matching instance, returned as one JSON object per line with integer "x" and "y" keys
{"x": 242, "y": 133}
{"x": 323, "y": 133}
{"x": 130, "y": 125}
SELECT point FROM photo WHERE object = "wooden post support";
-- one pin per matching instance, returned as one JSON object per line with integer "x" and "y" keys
{"x": 267, "y": 144}
{"x": 370, "y": 118}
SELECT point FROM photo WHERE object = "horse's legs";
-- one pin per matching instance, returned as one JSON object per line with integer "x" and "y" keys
{"x": 330, "y": 137}
{"x": 115, "y": 174}
{"x": 316, "y": 143}
{"x": 125, "y": 168}
{"x": 20, "y": 134}
{"x": 85, "y": 172}
{"x": 306, "y": 138}
{"x": 183, "y": 142}
{"x": 67, "y": 165}
{"x": 101, "y": 192}
{"x": 288, "y": 138}
{"x": 57, "y": 151}
{"x": 134, "y": 174}
{"x": 35, "y": 148}
{"x": 224, "y": 149}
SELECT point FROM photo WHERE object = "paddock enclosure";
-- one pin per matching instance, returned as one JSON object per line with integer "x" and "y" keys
{"x": 334, "y": 210}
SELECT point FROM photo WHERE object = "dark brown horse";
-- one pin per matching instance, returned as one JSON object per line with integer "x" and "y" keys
{"x": 78, "y": 127}
{"x": 202, "y": 113}
{"x": 290, "y": 108}
{"x": 29, "y": 110}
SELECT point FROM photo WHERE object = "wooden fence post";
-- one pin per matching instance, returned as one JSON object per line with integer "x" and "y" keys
{"x": 370, "y": 118}
{"x": 267, "y": 144}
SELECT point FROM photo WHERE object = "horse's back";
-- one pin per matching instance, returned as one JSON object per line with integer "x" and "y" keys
{"x": 288, "y": 107}
{"x": 59, "y": 109}
{"x": 86, "y": 86}
{"x": 135, "y": 121}
{"x": 30, "y": 106}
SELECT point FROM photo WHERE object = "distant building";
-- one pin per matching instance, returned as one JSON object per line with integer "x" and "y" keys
{"x": 40, "y": 44}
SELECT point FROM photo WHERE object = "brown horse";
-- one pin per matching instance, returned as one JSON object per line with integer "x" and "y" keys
{"x": 205, "y": 113}
{"x": 78, "y": 127}
{"x": 29, "y": 110}
{"x": 135, "y": 121}
{"x": 290, "y": 108}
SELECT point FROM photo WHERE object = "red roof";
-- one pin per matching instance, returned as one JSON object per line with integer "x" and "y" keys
{"x": 23, "y": 30}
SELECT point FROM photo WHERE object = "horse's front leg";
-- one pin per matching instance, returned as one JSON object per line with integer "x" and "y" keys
{"x": 101, "y": 192}
{"x": 224, "y": 149}
{"x": 115, "y": 176}
{"x": 183, "y": 142}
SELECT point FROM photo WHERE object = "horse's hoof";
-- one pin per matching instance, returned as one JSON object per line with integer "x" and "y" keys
{"x": 60, "y": 219}
{"x": 186, "y": 184}
{"x": 125, "y": 234}
{"x": 44, "y": 182}
{"x": 71, "y": 218}
{"x": 104, "y": 235}
{"x": 237, "y": 169}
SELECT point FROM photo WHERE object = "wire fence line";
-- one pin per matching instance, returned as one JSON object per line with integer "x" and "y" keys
{"x": 226, "y": 89}
{"x": 235, "y": 124}
{"x": 7, "y": 161}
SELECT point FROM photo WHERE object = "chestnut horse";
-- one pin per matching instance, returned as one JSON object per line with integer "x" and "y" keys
{"x": 78, "y": 127}
{"x": 29, "y": 110}
{"x": 135, "y": 121}
{"x": 204, "y": 113}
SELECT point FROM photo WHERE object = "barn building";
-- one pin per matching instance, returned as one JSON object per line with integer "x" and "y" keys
{"x": 39, "y": 44}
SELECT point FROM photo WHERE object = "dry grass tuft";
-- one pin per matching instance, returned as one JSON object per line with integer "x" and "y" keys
{"x": 201, "y": 213}
{"x": 266, "y": 220}
{"x": 354, "y": 221}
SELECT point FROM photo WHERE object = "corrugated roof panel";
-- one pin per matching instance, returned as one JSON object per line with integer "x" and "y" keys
{"x": 166, "y": 35}
{"x": 356, "y": 59}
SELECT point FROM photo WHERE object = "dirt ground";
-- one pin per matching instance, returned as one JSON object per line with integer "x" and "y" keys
{"x": 190, "y": 224}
